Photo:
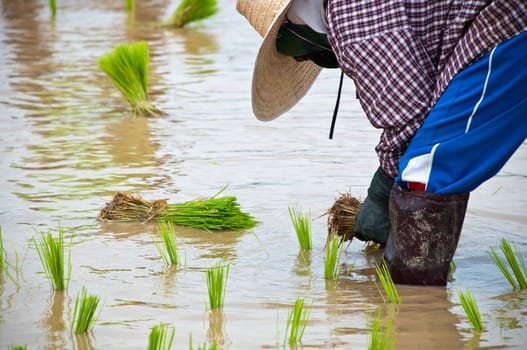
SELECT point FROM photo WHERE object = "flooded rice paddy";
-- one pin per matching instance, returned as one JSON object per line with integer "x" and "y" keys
{"x": 69, "y": 144}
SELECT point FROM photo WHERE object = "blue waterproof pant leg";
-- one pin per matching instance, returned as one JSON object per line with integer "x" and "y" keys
{"x": 476, "y": 125}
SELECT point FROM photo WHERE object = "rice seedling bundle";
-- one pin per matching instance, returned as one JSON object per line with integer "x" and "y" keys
{"x": 341, "y": 217}
{"x": 381, "y": 339}
{"x": 17, "y": 347}
{"x": 130, "y": 4}
{"x": 387, "y": 282}
{"x": 161, "y": 337}
{"x": 51, "y": 253}
{"x": 515, "y": 261}
{"x": 84, "y": 313}
{"x": 167, "y": 247}
{"x": 302, "y": 225}
{"x": 53, "y": 7}
{"x": 296, "y": 322}
{"x": 127, "y": 67}
{"x": 191, "y": 11}
{"x": 471, "y": 309}
{"x": 217, "y": 276}
{"x": 331, "y": 263}
{"x": 211, "y": 214}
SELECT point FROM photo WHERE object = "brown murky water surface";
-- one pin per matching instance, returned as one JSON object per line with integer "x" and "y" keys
{"x": 69, "y": 143}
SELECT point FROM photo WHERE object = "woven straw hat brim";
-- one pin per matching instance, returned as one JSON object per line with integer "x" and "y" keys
{"x": 279, "y": 81}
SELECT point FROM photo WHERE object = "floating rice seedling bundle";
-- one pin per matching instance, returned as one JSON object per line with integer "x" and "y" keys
{"x": 471, "y": 309}
{"x": 191, "y": 11}
{"x": 17, "y": 347}
{"x": 53, "y": 7}
{"x": 167, "y": 247}
{"x": 332, "y": 261}
{"x": 341, "y": 217}
{"x": 84, "y": 313}
{"x": 161, "y": 337}
{"x": 302, "y": 225}
{"x": 211, "y": 214}
{"x": 387, "y": 282}
{"x": 51, "y": 253}
{"x": 515, "y": 261}
{"x": 127, "y": 67}
{"x": 296, "y": 322}
{"x": 381, "y": 339}
{"x": 217, "y": 284}
{"x": 130, "y": 4}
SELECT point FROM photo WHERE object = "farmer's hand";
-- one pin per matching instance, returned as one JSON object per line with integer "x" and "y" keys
{"x": 373, "y": 222}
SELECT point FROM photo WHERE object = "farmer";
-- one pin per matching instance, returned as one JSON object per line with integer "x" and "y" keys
{"x": 446, "y": 81}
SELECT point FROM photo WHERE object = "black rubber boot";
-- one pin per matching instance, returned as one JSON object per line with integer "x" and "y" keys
{"x": 373, "y": 220}
{"x": 425, "y": 230}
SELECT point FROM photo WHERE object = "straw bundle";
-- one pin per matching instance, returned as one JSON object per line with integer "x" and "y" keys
{"x": 211, "y": 214}
{"x": 341, "y": 217}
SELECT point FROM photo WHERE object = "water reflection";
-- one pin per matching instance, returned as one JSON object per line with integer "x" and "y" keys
{"x": 66, "y": 157}
{"x": 212, "y": 245}
{"x": 302, "y": 268}
{"x": 129, "y": 142}
{"x": 198, "y": 46}
{"x": 418, "y": 323}
{"x": 216, "y": 330}
{"x": 53, "y": 322}
{"x": 423, "y": 324}
{"x": 84, "y": 341}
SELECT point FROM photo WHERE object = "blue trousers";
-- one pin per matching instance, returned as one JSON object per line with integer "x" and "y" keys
{"x": 477, "y": 124}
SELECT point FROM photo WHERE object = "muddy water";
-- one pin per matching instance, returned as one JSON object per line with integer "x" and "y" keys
{"x": 69, "y": 143}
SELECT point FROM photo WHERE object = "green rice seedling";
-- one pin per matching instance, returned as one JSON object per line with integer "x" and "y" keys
{"x": 332, "y": 261}
{"x": 302, "y": 225}
{"x": 5, "y": 265}
{"x": 217, "y": 276}
{"x": 381, "y": 339}
{"x": 387, "y": 282}
{"x": 191, "y": 11}
{"x": 210, "y": 214}
{"x": 17, "y": 347}
{"x": 84, "y": 312}
{"x": 53, "y": 7}
{"x": 167, "y": 247}
{"x": 161, "y": 337}
{"x": 515, "y": 261}
{"x": 130, "y": 4}
{"x": 471, "y": 310}
{"x": 296, "y": 322}
{"x": 127, "y": 67}
{"x": 260, "y": 242}
{"x": 51, "y": 253}
{"x": 451, "y": 270}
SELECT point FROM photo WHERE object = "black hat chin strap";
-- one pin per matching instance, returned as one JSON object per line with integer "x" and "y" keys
{"x": 337, "y": 103}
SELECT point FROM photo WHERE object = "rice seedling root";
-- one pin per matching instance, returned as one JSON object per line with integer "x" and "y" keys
{"x": 341, "y": 217}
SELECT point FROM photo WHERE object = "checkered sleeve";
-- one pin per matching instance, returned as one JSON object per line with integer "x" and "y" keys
{"x": 393, "y": 73}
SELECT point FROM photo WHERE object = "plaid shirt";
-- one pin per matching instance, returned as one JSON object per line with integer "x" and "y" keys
{"x": 403, "y": 54}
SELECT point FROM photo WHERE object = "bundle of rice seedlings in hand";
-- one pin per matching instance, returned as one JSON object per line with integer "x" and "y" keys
{"x": 127, "y": 67}
{"x": 210, "y": 214}
{"x": 191, "y": 11}
{"x": 341, "y": 217}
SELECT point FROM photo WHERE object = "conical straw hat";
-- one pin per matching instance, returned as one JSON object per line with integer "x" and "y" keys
{"x": 279, "y": 81}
